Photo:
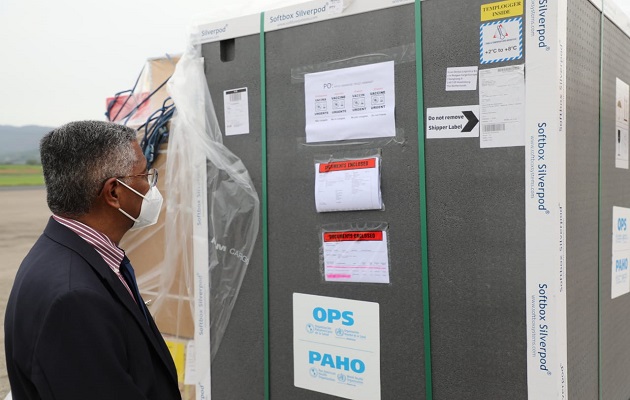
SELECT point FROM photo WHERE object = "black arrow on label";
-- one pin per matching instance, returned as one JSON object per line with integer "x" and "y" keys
{"x": 472, "y": 121}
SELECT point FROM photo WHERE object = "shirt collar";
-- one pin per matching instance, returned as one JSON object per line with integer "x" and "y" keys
{"x": 111, "y": 253}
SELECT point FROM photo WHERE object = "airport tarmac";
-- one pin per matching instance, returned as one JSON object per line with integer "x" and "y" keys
{"x": 23, "y": 216}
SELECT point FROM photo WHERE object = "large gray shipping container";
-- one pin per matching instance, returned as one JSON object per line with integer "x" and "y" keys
{"x": 470, "y": 339}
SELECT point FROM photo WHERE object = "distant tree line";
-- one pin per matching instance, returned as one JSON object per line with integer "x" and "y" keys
{"x": 21, "y": 158}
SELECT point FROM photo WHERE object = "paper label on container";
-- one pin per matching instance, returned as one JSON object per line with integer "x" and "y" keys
{"x": 501, "y": 41}
{"x": 452, "y": 122}
{"x": 620, "y": 282}
{"x": 461, "y": 78}
{"x": 501, "y": 9}
{"x": 236, "y": 110}
{"x": 350, "y": 103}
{"x": 348, "y": 185}
{"x": 356, "y": 256}
{"x": 336, "y": 346}
{"x": 502, "y": 106}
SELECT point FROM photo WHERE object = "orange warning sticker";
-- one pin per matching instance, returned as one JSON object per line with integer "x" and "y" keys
{"x": 353, "y": 236}
{"x": 347, "y": 165}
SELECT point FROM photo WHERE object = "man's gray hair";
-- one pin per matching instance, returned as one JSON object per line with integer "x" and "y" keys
{"x": 77, "y": 159}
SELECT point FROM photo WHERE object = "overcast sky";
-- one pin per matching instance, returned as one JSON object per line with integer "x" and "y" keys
{"x": 61, "y": 59}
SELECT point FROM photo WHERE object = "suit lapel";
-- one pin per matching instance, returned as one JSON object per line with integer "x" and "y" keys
{"x": 153, "y": 334}
{"x": 66, "y": 237}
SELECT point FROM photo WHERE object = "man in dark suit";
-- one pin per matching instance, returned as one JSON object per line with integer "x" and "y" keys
{"x": 75, "y": 325}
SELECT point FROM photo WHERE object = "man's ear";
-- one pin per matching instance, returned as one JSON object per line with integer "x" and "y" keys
{"x": 110, "y": 192}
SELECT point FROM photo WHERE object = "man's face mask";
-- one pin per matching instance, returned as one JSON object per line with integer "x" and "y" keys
{"x": 150, "y": 209}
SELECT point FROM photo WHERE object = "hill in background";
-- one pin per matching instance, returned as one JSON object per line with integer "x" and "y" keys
{"x": 20, "y": 145}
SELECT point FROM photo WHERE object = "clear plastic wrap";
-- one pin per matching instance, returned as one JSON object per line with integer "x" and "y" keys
{"x": 191, "y": 264}
{"x": 399, "y": 55}
{"x": 210, "y": 225}
{"x": 132, "y": 107}
{"x": 348, "y": 181}
{"x": 232, "y": 202}
{"x": 355, "y": 252}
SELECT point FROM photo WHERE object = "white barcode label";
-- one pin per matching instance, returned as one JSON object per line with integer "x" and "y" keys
{"x": 236, "y": 111}
{"x": 494, "y": 127}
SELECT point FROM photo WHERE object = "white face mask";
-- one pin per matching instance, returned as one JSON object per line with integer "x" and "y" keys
{"x": 150, "y": 209}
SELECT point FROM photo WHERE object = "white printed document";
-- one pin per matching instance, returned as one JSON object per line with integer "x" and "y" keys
{"x": 348, "y": 185}
{"x": 356, "y": 256}
{"x": 236, "y": 110}
{"x": 502, "y": 106}
{"x": 350, "y": 103}
{"x": 461, "y": 78}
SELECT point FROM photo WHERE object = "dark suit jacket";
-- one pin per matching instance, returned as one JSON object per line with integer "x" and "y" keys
{"x": 72, "y": 331}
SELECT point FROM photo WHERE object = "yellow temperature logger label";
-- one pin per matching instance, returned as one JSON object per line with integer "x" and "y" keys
{"x": 501, "y": 9}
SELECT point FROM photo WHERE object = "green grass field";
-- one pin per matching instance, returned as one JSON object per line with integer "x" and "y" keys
{"x": 21, "y": 175}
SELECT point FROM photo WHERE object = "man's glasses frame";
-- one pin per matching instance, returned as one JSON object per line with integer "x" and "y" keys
{"x": 151, "y": 174}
